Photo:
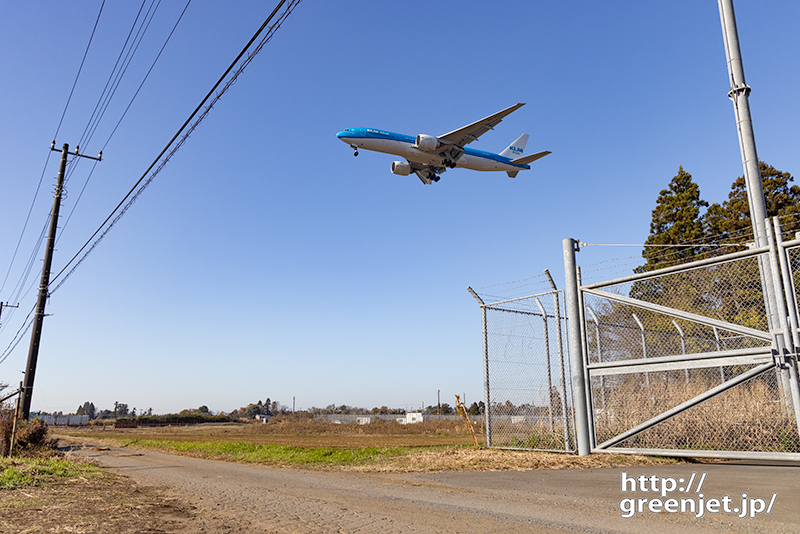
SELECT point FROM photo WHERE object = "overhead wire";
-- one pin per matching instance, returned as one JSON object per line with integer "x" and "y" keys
{"x": 130, "y": 103}
{"x": 20, "y": 286}
{"x": 130, "y": 198}
{"x": 41, "y": 178}
{"x": 116, "y": 75}
{"x": 135, "y": 191}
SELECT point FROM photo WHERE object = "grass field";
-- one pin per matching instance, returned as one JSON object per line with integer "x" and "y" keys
{"x": 298, "y": 433}
{"x": 377, "y": 447}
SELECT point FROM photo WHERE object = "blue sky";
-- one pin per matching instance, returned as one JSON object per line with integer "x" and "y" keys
{"x": 266, "y": 261}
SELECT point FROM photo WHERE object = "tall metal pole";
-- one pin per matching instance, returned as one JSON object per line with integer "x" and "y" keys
{"x": 33, "y": 352}
{"x": 579, "y": 395}
{"x": 739, "y": 95}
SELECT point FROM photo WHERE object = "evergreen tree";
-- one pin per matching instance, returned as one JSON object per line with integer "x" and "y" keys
{"x": 676, "y": 221}
{"x": 730, "y": 221}
{"x": 87, "y": 409}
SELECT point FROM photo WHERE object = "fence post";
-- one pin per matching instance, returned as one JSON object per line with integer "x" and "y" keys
{"x": 644, "y": 348}
{"x": 788, "y": 284}
{"x": 547, "y": 352}
{"x": 486, "y": 410}
{"x": 560, "y": 342}
{"x": 683, "y": 347}
{"x": 784, "y": 341}
{"x": 14, "y": 425}
{"x": 599, "y": 356}
{"x": 579, "y": 393}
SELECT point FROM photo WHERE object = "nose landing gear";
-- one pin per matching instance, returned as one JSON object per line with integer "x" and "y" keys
{"x": 355, "y": 150}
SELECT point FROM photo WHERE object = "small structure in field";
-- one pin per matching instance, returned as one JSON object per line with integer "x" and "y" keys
{"x": 415, "y": 417}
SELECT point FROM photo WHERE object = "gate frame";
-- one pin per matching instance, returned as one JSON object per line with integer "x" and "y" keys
{"x": 781, "y": 353}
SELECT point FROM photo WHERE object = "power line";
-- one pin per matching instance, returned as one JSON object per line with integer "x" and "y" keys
{"x": 75, "y": 83}
{"x": 266, "y": 38}
{"x": 41, "y": 178}
{"x": 105, "y": 97}
{"x": 135, "y": 191}
{"x": 133, "y": 98}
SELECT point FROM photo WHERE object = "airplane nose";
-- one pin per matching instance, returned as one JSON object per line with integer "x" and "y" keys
{"x": 345, "y": 135}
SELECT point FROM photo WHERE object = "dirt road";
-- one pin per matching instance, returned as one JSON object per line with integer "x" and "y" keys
{"x": 245, "y": 498}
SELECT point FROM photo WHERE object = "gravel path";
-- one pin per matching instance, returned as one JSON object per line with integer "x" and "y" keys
{"x": 244, "y": 498}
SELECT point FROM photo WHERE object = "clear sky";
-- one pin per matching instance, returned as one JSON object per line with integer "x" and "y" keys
{"x": 266, "y": 261}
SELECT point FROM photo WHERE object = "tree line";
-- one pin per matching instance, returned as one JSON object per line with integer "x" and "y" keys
{"x": 682, "y": 217}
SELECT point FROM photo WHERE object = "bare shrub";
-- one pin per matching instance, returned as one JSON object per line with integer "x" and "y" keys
{"x": 33, "y": 438}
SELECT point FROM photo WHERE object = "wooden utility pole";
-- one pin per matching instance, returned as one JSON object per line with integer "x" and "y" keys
{"x": 36, "y": 335}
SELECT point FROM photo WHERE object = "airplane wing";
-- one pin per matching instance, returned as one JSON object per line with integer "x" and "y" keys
{"x": 467, "y": 134}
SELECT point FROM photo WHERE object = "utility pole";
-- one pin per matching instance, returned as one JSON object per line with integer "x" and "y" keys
{"x": 36, "y": 335}
{"x": 6, "y": 305}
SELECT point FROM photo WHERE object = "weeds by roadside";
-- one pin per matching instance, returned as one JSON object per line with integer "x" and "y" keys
{"x": 18, "y": 472}
{"x": 388, "y": 459}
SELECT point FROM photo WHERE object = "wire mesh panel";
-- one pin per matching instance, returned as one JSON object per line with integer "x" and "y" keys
{"x": 793, "y": 253}
{"x": 685, "y": 360}
{"x": 529, "y": 402}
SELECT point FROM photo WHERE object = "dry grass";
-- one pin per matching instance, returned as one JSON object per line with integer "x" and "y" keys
{"x": 471, "y": 459}
{"x": 423, "y": 447}
{"x": 750, "y": 417}
{"x": 298, "y": 432}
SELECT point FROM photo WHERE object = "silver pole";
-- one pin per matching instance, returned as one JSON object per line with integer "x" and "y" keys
{"x": 788, "y": 284}
{"x": 547, "y": 360}
{"x": 683, "y": 346}
{"x": 486, "y": 410}
{"x": 579, "y": 393}
{"x": 644, "y": 349}
{"x": 561, "y": 363}
{"x": 719, "y": 348}
{"x": 599, "y": 356}
{"x": 739, "y": 95}
{"x": 783, "y": 338}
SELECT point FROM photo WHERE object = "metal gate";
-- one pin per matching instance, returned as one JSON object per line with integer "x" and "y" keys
{"x": 529, "y": 405}
{"x": 694, "y": 360}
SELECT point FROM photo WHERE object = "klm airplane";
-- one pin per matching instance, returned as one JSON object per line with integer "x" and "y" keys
{"x": 428, "y": 156}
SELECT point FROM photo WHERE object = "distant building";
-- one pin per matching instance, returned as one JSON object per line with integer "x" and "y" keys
{"x": 414, "y": 417}
{"x": 263, "y": 418}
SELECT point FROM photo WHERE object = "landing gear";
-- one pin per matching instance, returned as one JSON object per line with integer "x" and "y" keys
{"x": 449, "y": 163}
{"x": 355, "y": 150}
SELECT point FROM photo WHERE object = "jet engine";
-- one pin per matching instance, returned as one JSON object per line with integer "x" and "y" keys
{"x": 401, "y": 167}
{"x": 427, "y": 142}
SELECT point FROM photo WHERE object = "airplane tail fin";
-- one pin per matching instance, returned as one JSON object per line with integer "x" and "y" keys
{"x": 515, "y": 149}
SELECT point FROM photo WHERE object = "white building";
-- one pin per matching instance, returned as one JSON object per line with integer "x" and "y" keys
{"x": 414, "y": 417}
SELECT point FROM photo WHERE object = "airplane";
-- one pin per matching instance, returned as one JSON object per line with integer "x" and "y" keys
{"x": 428, "y": 156}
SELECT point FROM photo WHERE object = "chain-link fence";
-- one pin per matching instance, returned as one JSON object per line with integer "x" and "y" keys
{"x": 529, "y": 403}
{"x": 698, "y": 359}
{"x": 686, "y": 360}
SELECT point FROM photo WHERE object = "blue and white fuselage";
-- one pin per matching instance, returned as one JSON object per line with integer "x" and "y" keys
{"x": 428, "y": 156}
